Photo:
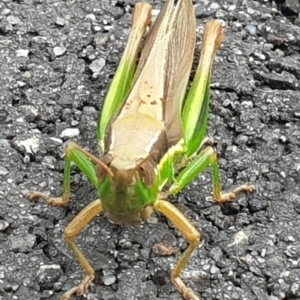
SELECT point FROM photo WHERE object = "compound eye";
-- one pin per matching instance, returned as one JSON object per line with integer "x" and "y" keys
{"x": 102, "y": 170}
{"x": 146, "y": 171}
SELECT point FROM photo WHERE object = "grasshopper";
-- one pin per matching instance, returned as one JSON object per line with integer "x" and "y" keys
{"x": 151, "y": 134}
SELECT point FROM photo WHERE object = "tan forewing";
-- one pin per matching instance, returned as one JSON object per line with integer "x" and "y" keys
{"x": 164, "y": 68}
{"x": 157, "y": 28}
{"x": 179, "y": 62}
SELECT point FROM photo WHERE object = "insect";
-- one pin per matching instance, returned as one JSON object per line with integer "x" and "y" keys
{"x": 151, "y": 134}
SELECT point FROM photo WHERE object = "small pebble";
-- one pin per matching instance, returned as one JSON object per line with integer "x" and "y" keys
{"x": 59, "y": 51}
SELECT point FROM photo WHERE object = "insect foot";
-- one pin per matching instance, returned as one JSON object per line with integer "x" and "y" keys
{"x": 186, "y": 292}
{"x": 80, "y": 289}
{"x": 59, "y": 201}
{"x": 226, "y": 197}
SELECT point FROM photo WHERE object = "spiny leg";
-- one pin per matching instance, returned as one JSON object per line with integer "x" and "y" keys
{"x": 71, "y": 232}
{"x": 195, "y": 117}
{"x": 206, "y": 157}
{"x": 190, "y": 233}
{"x": 196, "y": 107}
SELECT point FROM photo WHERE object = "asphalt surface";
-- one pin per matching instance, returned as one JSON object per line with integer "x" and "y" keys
{"x": 57, "y": 59}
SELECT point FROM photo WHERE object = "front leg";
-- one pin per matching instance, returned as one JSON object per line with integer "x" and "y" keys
{"x": 191, "y": 234}
{"x": 71, "y": 232}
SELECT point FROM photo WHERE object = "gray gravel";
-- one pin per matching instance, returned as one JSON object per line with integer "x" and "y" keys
{"x": 57, "y": 59}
